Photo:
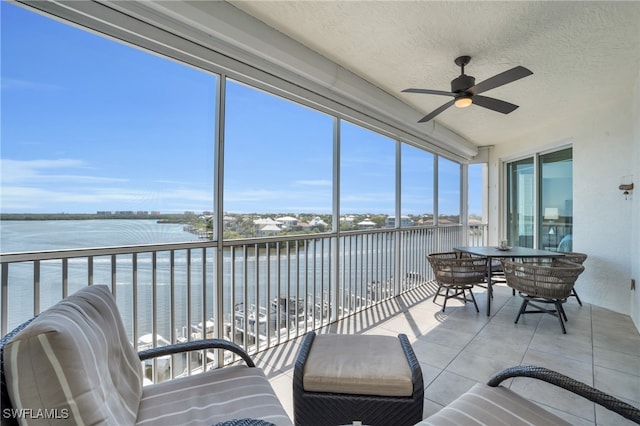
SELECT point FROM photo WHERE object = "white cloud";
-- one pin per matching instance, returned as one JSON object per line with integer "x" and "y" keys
{"x": 317, "y": 182}
{"x": 22, "y": 172}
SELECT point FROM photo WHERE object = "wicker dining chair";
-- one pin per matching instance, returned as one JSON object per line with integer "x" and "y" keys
{"x": 548, "y": 283}
{"x": 578, "y": 258}
{"x": 574, "y": 257}
{"x": 459, "y": 274}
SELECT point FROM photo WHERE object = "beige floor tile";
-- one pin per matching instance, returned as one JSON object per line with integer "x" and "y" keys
{"x": 606, "y": 417}
{"x": 460, "y": 347}
{"x": 617, "y": 383}
{"x": 447, "y": 387}
{"x": 619, "y": 361}
{"x": 563, "y": 345}
{"x": 279, "y": 359}
{"x": 514, "y": 334}
{"x": 434, "y": 354}
{"x": 429, "y": 373}
{"x": 619, "y": 339}
{"x": 553, "y": 396}
{"x": 475, "y": 367}
{"x": 454, "y": 339}
{"x": 430, "y": 408}
{"x": 283, "y": 387}
{"x": 489, "y": 347}
{"x": 582, "y": 371}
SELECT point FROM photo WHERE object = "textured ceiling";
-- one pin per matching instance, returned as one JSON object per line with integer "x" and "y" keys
{"x": 581, "y": 53}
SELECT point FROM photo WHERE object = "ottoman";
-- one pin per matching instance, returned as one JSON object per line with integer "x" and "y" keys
{"x": 339, "y": 379}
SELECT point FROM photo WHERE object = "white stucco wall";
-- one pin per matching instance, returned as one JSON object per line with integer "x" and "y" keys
{"x": 635, "y": 215}
{"x": 605, "y": 148}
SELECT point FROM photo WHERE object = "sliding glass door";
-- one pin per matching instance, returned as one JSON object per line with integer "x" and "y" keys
{"x": 539, "y": 201}
{"x": 520, "y": 202}
{"x": 556, "y": 200}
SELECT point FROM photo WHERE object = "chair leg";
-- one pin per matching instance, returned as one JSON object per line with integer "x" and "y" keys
{"x": 446, "y": 297}
{"x": 573, "y": 293}
{"x": 564, "y": 314}
{"x": 474, "y": 300}
{"x": 560, "y": 315}
{"x": 437, "y": 293}
{"x": 523, "y": 307}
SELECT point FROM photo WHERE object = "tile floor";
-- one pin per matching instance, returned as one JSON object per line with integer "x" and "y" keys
{"x": 458, "y": 348}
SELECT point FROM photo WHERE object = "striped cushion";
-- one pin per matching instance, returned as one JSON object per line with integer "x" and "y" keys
{"x": 75, "y": 358}
{"x": 485, "y": 405}
{"x": 216, "y": 396}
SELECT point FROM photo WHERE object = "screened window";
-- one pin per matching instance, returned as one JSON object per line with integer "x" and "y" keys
{"x": 92, "y": 126}
{"x": 448, "y": 192}
{"x": 417, "y": 186}
{"x": 367, "y": 177}
{"x": 278, "y": 165}
{"x": 476, "y": 219}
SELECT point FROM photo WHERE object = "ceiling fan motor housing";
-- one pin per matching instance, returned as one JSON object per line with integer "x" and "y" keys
{"x": 462, "y": 84}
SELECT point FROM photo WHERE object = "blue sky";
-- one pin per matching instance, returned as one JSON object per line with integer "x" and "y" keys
{"x": 89, "y": 124}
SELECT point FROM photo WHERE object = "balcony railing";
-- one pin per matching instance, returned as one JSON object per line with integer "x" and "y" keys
{"x": 255, "y": 292}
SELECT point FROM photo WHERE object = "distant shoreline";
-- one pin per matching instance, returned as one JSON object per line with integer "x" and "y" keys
{"x": 161, "y": 218}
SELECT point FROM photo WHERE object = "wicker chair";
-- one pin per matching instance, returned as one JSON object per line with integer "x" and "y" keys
{"x": 578, "y": 258}
{"x": 574, "y": 257}
{"x": 459, "y": 274}
{"x": 549, "y": 283}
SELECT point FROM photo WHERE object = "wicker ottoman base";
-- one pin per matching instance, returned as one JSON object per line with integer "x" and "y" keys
{"x": 336, "y": 408}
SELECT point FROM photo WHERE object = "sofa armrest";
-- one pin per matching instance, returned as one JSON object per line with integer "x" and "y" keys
{"x": 195, "y": 346}
{"x": 594, "y": 395}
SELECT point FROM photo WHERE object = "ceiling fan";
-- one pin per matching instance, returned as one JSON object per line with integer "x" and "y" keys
{"x": 465, "y": 91}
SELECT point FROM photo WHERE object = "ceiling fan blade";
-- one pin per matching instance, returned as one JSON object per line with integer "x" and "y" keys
{"x": 436, "y": 112}
{"x": 429, "y": 92}
{"x": 503, "y": 78}
{"x": 494, "y": 104}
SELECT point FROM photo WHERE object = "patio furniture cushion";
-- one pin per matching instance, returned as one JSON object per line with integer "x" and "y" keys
{"x": 233, "y": 392}
{"x": 360, "y": 377}
{"x": 75, "y": 358}
{"x": 352, "y": 365}
{"x": 486, "y": 405}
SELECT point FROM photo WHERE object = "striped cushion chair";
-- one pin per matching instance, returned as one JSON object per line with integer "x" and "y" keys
{"x": 494, "y": 404}
{"x": 74, "y": 364}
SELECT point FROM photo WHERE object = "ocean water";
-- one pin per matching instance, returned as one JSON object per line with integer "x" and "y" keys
{"x": 245, "y": 275}
{"x": 21, "y": 236}
{"x": 41, "y": 235}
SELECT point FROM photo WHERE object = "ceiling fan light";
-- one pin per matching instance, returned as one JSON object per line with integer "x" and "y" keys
{"x": 463, "y": 102}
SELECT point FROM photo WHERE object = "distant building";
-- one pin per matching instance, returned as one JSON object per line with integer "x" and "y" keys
{"x": 316, "y": 222}
{"x": 348, "y": 219}
{"x": 269, "y": 230}
{"x": 287, "y": 222}
{"x": 405, "y": 221}
{"x": 367, "y": 224}
{"x": 260, "y": 223}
